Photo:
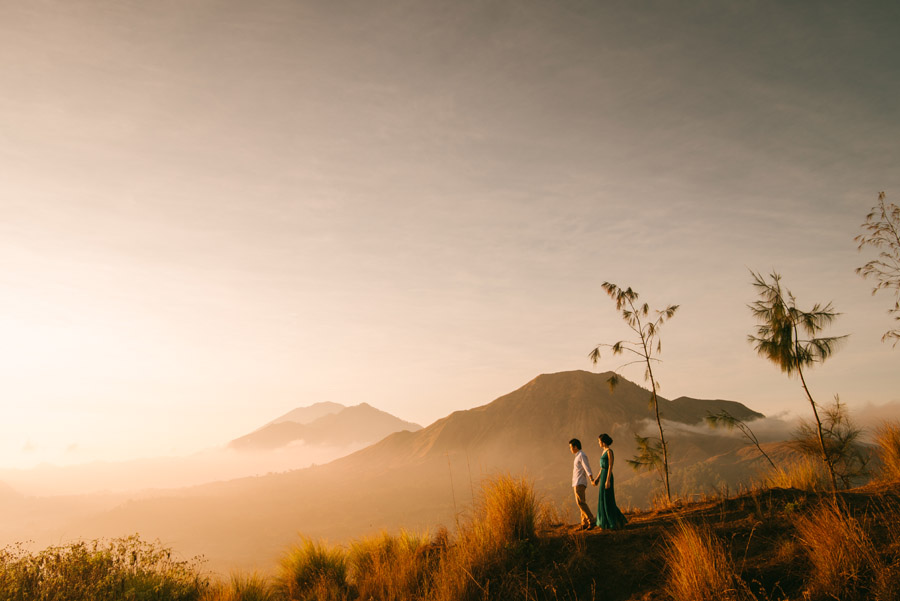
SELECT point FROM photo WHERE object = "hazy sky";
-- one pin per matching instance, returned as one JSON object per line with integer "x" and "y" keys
{"x": 212, "y": 212}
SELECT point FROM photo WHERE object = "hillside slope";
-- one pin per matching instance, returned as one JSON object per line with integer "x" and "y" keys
{"x": 420, "y": 479}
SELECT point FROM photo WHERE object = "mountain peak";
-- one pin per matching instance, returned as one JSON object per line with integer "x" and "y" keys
{"x": 345, "y": 427}
{"x": 309, "y": 413}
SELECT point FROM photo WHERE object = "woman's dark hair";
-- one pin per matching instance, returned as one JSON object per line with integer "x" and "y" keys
{"x": 605, "y": 439}
{"x": 575, "y": 443}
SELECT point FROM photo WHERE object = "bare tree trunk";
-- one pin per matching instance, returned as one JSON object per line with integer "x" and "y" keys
{"x": 662, "y": 437}
{"x": 825, "y": 457}
{"x": 764, "y": 454}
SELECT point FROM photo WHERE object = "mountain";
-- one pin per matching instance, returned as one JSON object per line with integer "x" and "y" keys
{"x": 305, "y": 415}
{"x": 334, "y": 425}
{"x": 324, "y": 432}
{"x": 420, "y": 479}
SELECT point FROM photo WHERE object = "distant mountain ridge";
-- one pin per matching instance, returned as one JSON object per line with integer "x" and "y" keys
{"x": 310, "y": 413}
{"x": 555, "y": 407}
{"x": 325, "y": 424}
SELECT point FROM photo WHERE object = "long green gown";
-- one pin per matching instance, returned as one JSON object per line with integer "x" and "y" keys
{"x": 608, "y": 515}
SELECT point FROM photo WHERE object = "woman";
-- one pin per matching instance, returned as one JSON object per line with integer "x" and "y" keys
{"x": 608, "y": 515}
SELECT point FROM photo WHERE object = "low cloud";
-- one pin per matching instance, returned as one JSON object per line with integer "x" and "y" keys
{"x": 782, "y": 426}
{"x": 767, "y": 429}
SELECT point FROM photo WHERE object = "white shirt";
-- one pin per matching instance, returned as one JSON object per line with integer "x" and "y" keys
{"x": 581, "y": 471}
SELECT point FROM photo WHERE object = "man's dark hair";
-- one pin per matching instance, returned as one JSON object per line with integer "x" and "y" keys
{"x": 575, "y": 443}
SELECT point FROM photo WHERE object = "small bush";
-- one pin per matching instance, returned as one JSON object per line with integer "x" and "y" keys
{"x": 312, "y": 571}
{"x": 887, "y": 441}
{"x": 699, "y": 568}
{"x": 124, "y": 568}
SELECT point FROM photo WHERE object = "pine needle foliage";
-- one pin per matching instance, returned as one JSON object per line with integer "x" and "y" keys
{"x": 643, "y": 349}
{"x": 882, "y": 232}
{"x": 649, "y": 455}
{"x": 789, "y": 337}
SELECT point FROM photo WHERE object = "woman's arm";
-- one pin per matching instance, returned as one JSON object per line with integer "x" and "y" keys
{"x": 609, "y": 473}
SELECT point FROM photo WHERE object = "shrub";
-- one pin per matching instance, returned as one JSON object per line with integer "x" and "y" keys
{"x": 887, "y": 441}
{"x": 312, "y": 571}
{"x": 699, "y": 568}
{"x": 124, "y": 568}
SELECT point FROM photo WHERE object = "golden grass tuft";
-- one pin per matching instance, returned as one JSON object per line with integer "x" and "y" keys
{"x": 845, "y": 563}
{"x": 508, "y": 511}
{"x": 805, "y": 473}
{"x": 699, "y": 567}
{"x": 242, "y": 587}
{"x": 313, "y": 571}
{"x": 497, "y": 538}
{"x": 887, "y": 441}
{"x": 392, "y": 568}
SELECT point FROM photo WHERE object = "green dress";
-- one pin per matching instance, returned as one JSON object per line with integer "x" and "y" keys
{"x": 608, "y": 515}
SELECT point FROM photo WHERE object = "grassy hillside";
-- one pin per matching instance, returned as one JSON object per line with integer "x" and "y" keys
{"x": 767, "y": 544}
{"x": 770, "y": 543}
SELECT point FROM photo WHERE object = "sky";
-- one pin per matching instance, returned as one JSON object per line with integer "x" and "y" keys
{"x": 212, "y": 212}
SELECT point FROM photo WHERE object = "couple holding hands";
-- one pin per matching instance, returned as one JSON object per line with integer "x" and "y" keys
{"x": 608, "y": 515}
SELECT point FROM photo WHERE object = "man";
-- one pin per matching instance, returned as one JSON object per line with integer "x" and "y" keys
{"x": 580, "y": 474}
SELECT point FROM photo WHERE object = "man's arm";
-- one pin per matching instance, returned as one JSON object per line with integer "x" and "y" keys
{"x": 587, "y": 466}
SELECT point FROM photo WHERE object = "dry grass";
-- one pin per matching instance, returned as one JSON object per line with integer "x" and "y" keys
{"x": 699, "y": 567}
{"x": 803, "y": 474}
{"x": 313, "y": 571}
{"x": 124, "y": 568}
{"x": 787, "y": 545}
{"x": 845, "y": 563}
{"x": 480, "y": 562}
{"x": 507, "y": 512}
{"x": 392, "y": 568}
{"x": 887, "y": 441}
{"x": 498, "y": 537}
{"x": 242, "y": 587}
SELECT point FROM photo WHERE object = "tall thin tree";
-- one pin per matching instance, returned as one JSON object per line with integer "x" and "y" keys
{"x": 646, "y": 327}
{"x": 778, "y": 339}
{"x": 883, "y": 233}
